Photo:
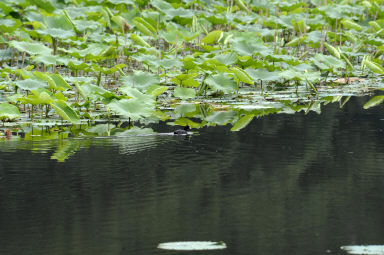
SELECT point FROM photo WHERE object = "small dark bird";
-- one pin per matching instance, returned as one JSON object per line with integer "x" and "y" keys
{"x": 182, "y": 131}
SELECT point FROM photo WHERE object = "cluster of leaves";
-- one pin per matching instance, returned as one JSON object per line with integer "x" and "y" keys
{"x": 82, "y": 59}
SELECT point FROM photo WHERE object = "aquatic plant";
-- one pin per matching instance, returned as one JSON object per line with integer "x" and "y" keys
{"x": 84, "y": 60}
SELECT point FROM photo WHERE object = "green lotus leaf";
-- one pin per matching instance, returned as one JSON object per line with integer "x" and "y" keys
{"x": 212, "y": 37}
{"x": 242, "y": 76}
{"x": 14, "y": 98}
{"x": 65, "y": 111}
{"x": 56, "y": 32}
{"x": 117, "y": 2}
{"x": 132, "y": 108}
{"x": 9, "y": 25}
{"x": 221, "y": 82}
{"x": 60, "y": 83}
{"x": 184, "y": 93}
{"x": 161, "y": 5}
{"x": 31, "y": 84}
{"x": 227, "y": 59}
{"x": 59, "y": 22}
{"x": 9, "y": 111}
{"x": 140, "y": 80}
{"x": 34, "y": 48}
{"x": 136, "y": 94}
{"x": 156, "y": 90}
{"x": 38, "y": 97}
{"x": 327, "y": 62}
{"x": 46, "y": 59}
{"x": 249, "y": 48}
{"x": 263, "y": 74}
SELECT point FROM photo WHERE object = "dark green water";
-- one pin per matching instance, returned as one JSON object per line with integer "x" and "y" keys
{"x": 286, "y": 184}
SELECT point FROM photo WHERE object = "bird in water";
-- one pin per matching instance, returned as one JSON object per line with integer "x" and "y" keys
{"x": 182, "y": 131}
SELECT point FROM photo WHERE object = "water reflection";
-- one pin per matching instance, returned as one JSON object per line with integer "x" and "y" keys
{"x": 286, "y": 184}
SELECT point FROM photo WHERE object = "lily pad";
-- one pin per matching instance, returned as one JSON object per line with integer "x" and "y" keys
{"x": 364, "y": 249}
{"x": 192, "y": 246}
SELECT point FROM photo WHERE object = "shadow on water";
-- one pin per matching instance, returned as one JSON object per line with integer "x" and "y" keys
{"x": 286, "y": 184}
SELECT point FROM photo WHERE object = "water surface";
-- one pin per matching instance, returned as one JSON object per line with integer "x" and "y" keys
{"x": 286, "y": 184}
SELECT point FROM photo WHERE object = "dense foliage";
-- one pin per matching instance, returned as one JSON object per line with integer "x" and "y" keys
{"x": 232, "y": 60}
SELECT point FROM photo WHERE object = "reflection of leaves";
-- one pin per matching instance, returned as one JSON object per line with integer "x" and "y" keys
{"x": 65, "y": 150}
{"x": 373, "y": 102}
{"x": 101, "y": 129}
{"x": 134, "y": 131}
{"x": 242, "y": 122}
{"x": 187, "y": 122}
{"x": 221, "y": 118}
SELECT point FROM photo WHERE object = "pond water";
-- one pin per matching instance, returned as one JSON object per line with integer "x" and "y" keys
{"x": 286, "y": 184}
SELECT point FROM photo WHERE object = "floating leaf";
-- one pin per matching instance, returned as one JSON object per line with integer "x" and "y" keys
{"x": 192, "y": 246}
{"x": 364, "y": 249}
